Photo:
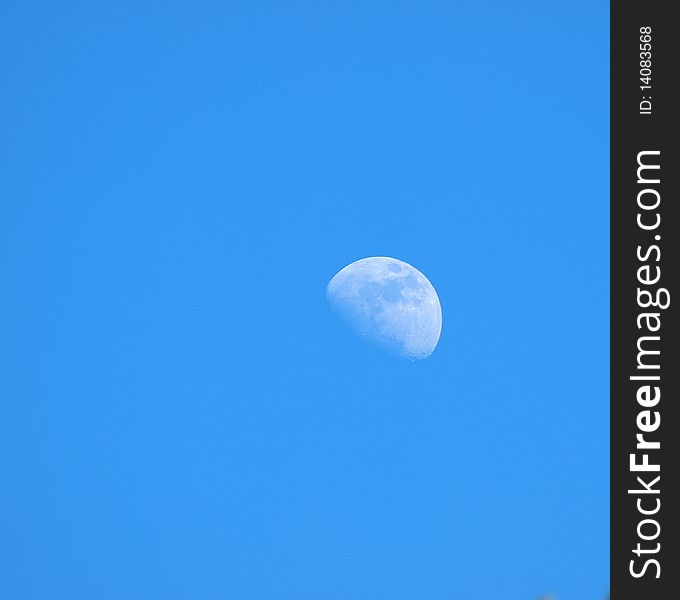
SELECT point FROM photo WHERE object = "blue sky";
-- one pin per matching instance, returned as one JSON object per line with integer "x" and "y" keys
{"x": 181, "y": 416}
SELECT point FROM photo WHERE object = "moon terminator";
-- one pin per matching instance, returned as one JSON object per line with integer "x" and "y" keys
{"x": 389, "y": 303}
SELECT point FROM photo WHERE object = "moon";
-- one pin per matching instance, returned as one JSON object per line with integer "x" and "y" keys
{"x": 389, "y": 303}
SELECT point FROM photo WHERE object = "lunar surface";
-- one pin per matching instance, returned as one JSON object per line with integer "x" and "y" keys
{"x": 389, "y": 303}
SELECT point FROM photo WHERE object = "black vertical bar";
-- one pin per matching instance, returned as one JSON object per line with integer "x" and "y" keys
{"x": 643, "y": 121}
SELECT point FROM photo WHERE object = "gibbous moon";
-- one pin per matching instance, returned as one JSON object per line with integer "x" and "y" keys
{"x": 390, "y": 303}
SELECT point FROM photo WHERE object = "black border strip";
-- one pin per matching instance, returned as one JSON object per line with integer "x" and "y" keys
{"x": 643, "y": 121}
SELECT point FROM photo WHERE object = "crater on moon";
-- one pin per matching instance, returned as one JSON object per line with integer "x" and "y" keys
{"x": 389, "y": 303}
